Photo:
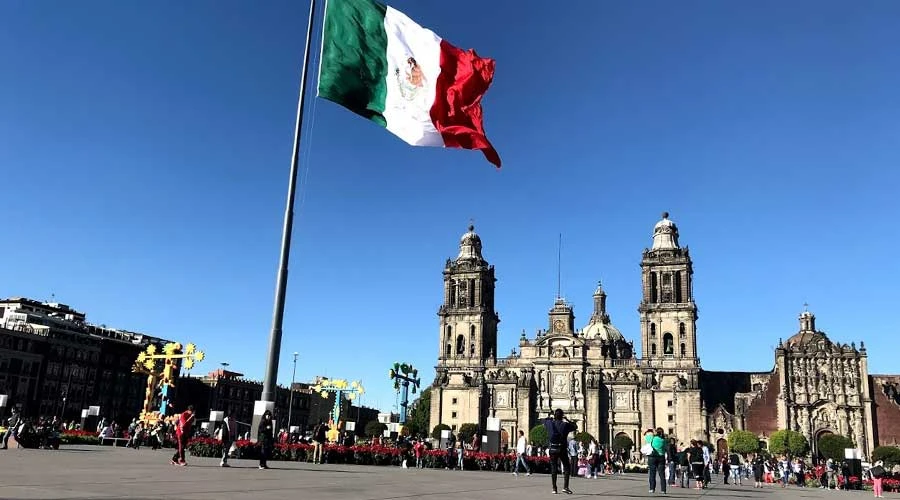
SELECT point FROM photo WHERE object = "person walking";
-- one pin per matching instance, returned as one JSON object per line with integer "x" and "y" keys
{"x": 558, "y": 429}
{"x": 182, "y": 434}
{"x": 12, "y": 426}
{"x": 878, "y": 473}
{"x": 759, "y": 468}
{"x": 695, "y": 456}
{"x": 672, "y": 460}
{"x": 656, "y": 459}
{"x": 521, "y": 448}
{"x": 266, "y": 438}
{"x": 320, "y": 435}
{"x": 229, "y": 431}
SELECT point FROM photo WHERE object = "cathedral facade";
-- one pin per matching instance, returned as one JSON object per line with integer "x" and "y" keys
{"x": 594, "y": 375}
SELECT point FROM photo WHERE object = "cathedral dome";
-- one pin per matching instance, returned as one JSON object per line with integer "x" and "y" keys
{"x": 602, "y": 331}
{"x": 808, "y": 335}
{"x": 807, "y": 338}
{"x": 600, "y": 327}
{"x": 665, "y": 234}
{"x": 470, "y": 245}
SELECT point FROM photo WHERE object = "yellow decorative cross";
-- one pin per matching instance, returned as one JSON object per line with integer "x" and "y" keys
{"x": 146, "y": 363}
{"x": 340, "y": 388}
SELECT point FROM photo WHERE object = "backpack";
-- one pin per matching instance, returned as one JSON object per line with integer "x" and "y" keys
{"x": 877, "y": 471}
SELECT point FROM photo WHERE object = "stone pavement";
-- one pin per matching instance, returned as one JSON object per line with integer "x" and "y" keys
{"x": 87, "y": 472}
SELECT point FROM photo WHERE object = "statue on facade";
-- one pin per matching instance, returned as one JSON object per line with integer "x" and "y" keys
{"x": 577, "y": 384}
{"x": 543, "y": 386}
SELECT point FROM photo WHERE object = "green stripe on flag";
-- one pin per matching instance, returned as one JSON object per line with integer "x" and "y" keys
{"x": 353, "y": 67}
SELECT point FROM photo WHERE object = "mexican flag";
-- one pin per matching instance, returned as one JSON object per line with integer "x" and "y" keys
{"x": 380, "y": 64}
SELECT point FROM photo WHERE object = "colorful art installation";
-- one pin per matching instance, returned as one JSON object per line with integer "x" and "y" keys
{"x": 160, "y": 369}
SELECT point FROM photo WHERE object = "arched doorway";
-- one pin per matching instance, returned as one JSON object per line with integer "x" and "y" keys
{"x": 504, "y": 440}
{"x": 721, "y": 448}
{"x": 819, "y": 434}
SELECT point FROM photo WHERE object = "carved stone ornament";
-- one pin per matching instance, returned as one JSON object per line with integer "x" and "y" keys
{"x": 560, "y": 384}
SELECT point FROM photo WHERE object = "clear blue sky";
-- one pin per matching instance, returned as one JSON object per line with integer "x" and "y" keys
{"x": 144, "y": 151}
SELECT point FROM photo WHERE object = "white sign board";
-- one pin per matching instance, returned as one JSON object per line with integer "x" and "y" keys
{"x": 84, "y": 413}
{"x": 387, "y": 433}
{"x": 294, "y": 429}
{"x": 445, "y": 434}
{"x": 851, "y": 453}
{"x": 394, "y": 427}
{"x": 3, "y": 400}
{"x": 484, "y": 439}
{"x": 350, "y": 426}
{"x": 94, "y": 411}
{"x": 493, "y": 424}
{"x": 204, "y": 425}
{"x": 216, "y": 416}
{"x": 260, "y": 407}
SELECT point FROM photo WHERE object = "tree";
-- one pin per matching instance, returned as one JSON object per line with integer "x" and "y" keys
{"x": 743, "y": 442}
{"x": 466, "y": 431}
{"x": 436, "y": 433}
{"x": 375, "y": 428}
{"x": 584, "y": 438}
{"x": 419, "y": 418}
{"x": 788, "y": 442}
{"x": 622, "y": 442}
{"x": 832, "y": 446}
{"x": 890, "y": 455}
{"x": 538, "y": 435}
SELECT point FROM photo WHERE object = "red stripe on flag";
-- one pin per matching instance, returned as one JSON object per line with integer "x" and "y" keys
{"x": 456, "y": 112}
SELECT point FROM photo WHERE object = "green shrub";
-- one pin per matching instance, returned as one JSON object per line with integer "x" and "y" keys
{"x": 538, "y": 435}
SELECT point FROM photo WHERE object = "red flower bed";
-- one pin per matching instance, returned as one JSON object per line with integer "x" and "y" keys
{"x": 80, "y": 433}
{"x": 368, "y": 455}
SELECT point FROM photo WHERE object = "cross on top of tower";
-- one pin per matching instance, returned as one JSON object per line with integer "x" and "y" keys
{"x": 805, "y": 307}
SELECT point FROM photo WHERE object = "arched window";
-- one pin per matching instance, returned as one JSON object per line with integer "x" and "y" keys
{"x": 460, "y": 346}
{"x": 683, "y": 350}
{"x": 668, "y": 344}
{"x": 472, "y": 350}
{"x": 449, "y": 332}
{"x": 681, "y": 332}
{"x": 652, "y": 330}
{"x": 452, "y": 294}
{"x": 653, "y": 289}
{"x": 448, "y": 350}
{"x": 653, "y": 349}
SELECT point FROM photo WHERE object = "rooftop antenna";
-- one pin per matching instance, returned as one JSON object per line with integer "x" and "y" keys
{"x": 559, "y": 268}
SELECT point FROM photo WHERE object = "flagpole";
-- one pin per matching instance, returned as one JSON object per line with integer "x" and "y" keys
{"x": 268, "y": 393}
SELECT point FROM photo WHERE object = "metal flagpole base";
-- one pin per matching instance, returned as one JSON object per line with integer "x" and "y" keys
{"x": 259, "y": 408}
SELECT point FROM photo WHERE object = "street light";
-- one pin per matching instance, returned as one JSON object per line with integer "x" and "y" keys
{"x": 291, "y": 401}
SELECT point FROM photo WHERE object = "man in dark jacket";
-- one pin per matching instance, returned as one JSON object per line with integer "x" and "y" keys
{"x": 558, "y": 429}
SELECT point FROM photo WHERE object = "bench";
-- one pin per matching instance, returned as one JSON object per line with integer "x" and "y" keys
{"x": 115, "y": 441}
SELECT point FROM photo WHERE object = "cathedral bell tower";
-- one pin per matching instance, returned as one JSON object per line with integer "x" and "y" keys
{"x": 467, "y": 317}
{"x": 667, "y": 310}
{"x": 467, "y": 337}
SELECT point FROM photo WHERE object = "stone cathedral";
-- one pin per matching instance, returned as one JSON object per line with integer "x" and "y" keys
{"x": 595, "y": 376}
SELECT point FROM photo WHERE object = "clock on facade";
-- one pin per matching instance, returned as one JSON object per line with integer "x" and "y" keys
{"x": 558, "y": 325}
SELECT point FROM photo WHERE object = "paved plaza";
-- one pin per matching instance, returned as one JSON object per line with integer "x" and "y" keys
{"x": 83, "y": 472}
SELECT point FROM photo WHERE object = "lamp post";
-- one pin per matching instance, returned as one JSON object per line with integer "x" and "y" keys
{"x": 404, "y": 376}
{"x": 291, "y": 399}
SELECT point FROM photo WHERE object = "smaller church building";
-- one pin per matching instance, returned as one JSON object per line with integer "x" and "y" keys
{"x": 593, "y": 372}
